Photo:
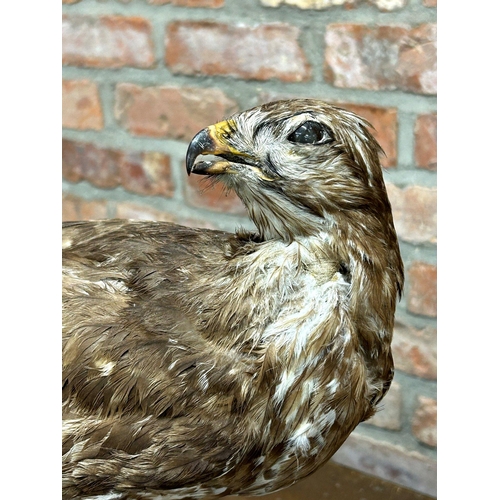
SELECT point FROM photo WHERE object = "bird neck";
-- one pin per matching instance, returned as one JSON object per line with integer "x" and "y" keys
{"x": 367, "y": 242}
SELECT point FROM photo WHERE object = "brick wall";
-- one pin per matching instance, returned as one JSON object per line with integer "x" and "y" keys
{"x": 141, "y": 77}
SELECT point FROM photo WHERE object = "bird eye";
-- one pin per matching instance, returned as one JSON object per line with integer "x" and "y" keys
{"x": 309, "y": 133}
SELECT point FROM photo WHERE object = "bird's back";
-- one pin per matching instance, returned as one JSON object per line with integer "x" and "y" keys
{"x": 133, "y": 361}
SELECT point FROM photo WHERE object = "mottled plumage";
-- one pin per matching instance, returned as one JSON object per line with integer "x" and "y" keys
{"x": 201, "y": 363}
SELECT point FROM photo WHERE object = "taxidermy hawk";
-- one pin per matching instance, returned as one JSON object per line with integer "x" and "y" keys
{"x": 201, "y": 363}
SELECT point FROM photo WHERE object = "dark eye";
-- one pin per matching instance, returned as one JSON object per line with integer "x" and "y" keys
{"x": 309, "y": 133}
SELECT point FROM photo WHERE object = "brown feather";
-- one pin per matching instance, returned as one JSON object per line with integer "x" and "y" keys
{"x": 199, "y": 363}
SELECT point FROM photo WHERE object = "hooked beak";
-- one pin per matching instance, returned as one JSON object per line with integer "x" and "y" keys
{"x": 213, "y": 141}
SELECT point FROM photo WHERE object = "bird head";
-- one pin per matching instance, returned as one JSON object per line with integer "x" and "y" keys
{"x": 297, "y": 165}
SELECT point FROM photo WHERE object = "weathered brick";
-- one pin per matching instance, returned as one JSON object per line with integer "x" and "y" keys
{"x": 426, "y": 141}
{"x": 78, "y": 1}
{"x": 383, "y": 120}
{"x": 141, "y": 172}
{"x": 76, "y": 208}
{"x": 414, "y": 209}
{"x": 146, "y": 173}
{"x": 415, "y": 350}
{"x": 82, "y": 161}
{"x": 202, "y": 192}
{"x": 417, "y": 65}
{"x": 190, "y": 3}
{"x": 390, "y": 462}
{"x": 126, "y": 210}
{"x": 381, "y": 57}
{"x": 384, "y": 5}
{"x": 81, "y": 106}
{"x": 389, "y": 5}
{"x": 424, "y": 425}
{"x": 259, "y": 52}
{"x": 178, "y": 113}
{"x": 69, "y": 208}
{"x": 308, "y": 4}
{"x": 389, "y": 414}
{"x": 422, "y": 294}
{"x": 107, "y": 41}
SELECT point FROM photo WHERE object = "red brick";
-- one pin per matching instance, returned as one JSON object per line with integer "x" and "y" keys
{"x": 418, "y": 60}
{"x": 414, "y": 209}
{"x": 126, "y": 210}
{"x": 203, "y": 193}
{"x": 415, "y": 350}
{"x": 258, "y": 52}
{"x": 178, "y": 113}
{"x": 82, "y": 161}
{"x": 426, "y": 141}
{"x": 383, "y": 5}
{"x": 388, "y": 415}
{"x": 422, "y": 294}
{"x": 81, "y": 106}
{"x": 429, "y": 3}
{"x": 75, "y": 208}
{"x": 389, "y": 5}
{"x": 424, "y": 424}
{"x": 69, "y": 209}
{"x": 141, "y": 172}
{"x": 309, "y": 4}
{"x": 381, "y": 57}
{"x": 107, "y": 42}
{"x": 146, "y": 173}
{"x": 190, "y": 3}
